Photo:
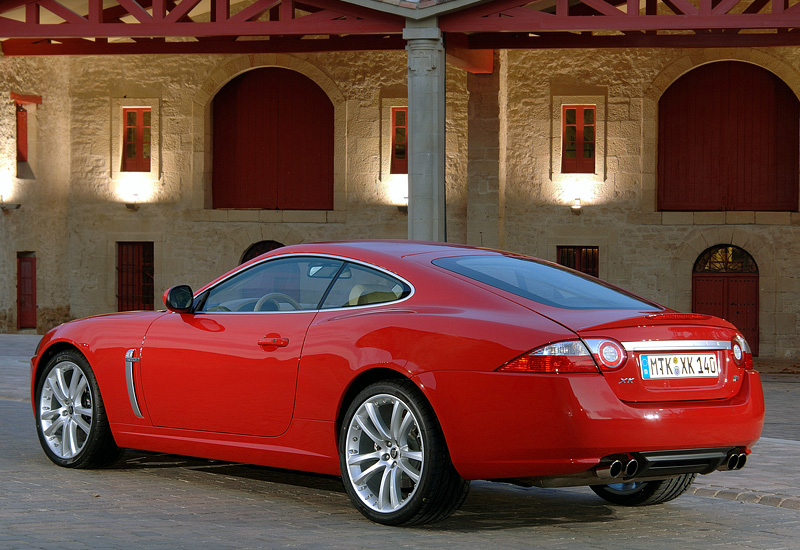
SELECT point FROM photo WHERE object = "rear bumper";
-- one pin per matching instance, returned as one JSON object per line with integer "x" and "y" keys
{"x": 527, "y": 426}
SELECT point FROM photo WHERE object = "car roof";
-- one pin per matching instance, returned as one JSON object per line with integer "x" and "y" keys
{"x": 392, "y": 248}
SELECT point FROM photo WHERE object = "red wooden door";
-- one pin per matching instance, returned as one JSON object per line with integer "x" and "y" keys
{"x": 732, "y": 296}
{"x": 728, "y": 140}
{"x": 273, "y": 143}
{"x": 26, "y": 292}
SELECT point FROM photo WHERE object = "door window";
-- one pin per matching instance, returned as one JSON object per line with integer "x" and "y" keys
{"x": 286, "y": 284}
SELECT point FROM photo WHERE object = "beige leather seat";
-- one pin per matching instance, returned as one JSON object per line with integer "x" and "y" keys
{"x": 370, "y": 294}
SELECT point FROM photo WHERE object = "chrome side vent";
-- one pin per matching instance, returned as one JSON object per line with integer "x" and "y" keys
{"x": 129, "y": 361}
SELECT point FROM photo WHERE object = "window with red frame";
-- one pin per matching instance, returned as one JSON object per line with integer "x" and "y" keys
{"x": 578, "y": 144}
{"x": 399, "y": 163}
{"x": 135, "y": 276}
{"x": 136, "y": 140}
{"x": 585, "y": 259}
{"x": 20, "y": 101}
{"x": 22, "y": 134}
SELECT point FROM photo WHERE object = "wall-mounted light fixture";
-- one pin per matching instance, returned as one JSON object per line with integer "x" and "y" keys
{"x": 134, "y": 205}
{"x": 576, "y": 207}
{"x": 4, "y": 206}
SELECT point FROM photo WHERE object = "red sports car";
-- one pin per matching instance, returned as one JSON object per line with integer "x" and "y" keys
{"x": 408, "y": 369}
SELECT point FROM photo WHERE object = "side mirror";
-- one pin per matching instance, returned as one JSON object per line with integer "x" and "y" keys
{"x": 179, "y": 299}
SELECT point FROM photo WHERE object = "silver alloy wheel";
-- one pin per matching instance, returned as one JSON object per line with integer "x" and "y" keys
{"x": 385, "y": 453}
{"x": 66, "y": 409}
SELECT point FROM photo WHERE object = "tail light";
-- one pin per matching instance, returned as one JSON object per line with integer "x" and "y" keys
{"x": 561, "y": 357}
{"x": 742, "y": 355}
{"x": 610, "y": 354}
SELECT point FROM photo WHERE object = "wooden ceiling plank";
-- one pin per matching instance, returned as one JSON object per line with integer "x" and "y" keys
{"x": 254, "y": 11}
{"x": 603, "y": 7}
{"x": 62, "y": 11}
{"x": 136, "y": 10}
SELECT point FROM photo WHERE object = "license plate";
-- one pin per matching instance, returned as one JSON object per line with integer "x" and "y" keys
{"x": 679, "y": 365}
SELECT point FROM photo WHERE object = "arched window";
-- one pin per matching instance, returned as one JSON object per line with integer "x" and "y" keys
{"x": 728, "y": 140}
{"x": 273, "y": 143}
{"x": 259, "y": 248}
{"x": 725, "y": 284}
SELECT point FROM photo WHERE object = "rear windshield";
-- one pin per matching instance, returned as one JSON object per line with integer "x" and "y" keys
{"x": 543, "y": 283}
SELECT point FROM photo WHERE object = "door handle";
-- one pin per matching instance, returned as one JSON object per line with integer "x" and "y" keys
{"x": 273, "y": 342}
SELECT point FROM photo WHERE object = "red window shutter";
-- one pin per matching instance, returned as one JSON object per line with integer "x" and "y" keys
{"x": 22, "y": 134}
{"x": 136, "y": 140}
{"x": 721, "y": 149}
{"x": 273, "y": 143}
{"x": 399, "y": 160}
{"x": 578, "y": 144}
{"x": 135, "y": 276}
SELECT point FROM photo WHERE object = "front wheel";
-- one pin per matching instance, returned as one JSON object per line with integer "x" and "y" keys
{"x": 394, "y": 460}
{"x": 70, "y": 417}
{"x": 644, "y": 493}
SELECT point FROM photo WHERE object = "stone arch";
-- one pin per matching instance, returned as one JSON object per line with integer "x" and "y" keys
{"x": 700, "y": 239}
{"x": 261, "y": 247}
{"x": 201, "y": 119}
{"x": 672, "y": 72}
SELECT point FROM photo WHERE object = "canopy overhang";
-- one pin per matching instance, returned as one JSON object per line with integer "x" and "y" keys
{"x": 92, "y": 27}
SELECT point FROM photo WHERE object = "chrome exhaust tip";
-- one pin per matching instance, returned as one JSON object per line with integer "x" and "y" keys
{"x": 609, "y": 470}
{"x": 631, "y": 468}
{"x": 741, "y": 461}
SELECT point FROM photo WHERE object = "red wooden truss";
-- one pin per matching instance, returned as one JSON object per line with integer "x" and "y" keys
{"x": 627, "y": 23}
{"x": 83, "y": 27}
{"x": 48, "y": 27}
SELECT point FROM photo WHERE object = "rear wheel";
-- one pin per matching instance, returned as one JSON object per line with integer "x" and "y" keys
{"x": 394, "y": 460}
{"x": 644, "y": 493}
{"x": 71, "y": 420}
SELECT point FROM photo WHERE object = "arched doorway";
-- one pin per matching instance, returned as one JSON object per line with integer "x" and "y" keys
{"x": 259, "y": 248}
{"x": 728, "y": 140}
{"x": 725, "y": 284}
{"x": 273, "y": 142}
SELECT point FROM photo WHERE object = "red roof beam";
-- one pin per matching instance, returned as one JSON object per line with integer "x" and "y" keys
{"x": 348, "y": 43}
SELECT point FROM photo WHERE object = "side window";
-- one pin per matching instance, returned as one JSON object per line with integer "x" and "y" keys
{"x": 287, "y": 284}
{"x": 26, "y": 133}
{"x": 399, "y": 163}
{"x": 135, "y": 276}
{"x": 136, "y": 140}
{"x": 585, "y": 259}
{"x": 358, "y": 286}
{"x": 578, "y": 149}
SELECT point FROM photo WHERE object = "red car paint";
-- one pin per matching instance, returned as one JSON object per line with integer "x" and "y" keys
{"x": 211, "y": 384}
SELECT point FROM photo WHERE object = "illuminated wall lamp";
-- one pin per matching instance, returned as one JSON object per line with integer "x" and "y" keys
{"x": 4, "y": 206}
{"x": 576, "y": 207}
{"x": 134, "y": 206}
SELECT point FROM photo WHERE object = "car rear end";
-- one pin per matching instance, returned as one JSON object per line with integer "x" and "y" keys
{"x": 636, "y": 392}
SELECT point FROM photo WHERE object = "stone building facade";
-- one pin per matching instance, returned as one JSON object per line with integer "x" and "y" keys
{"x": 504, "y": 184}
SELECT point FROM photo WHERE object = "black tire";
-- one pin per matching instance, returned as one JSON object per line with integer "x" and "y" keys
{"x": 644, "y": 493}
{"x": 415, "y": 448}
{"x": 71, "y": 420}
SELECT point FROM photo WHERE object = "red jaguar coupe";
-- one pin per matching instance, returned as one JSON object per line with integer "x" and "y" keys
{"x": 408, "y": 369}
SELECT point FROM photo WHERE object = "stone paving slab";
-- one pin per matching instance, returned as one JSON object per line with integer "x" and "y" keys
{"x": 771, "y": 477}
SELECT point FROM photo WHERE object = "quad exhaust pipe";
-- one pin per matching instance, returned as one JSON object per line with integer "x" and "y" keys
{"x": 735, "y": 461}
{"x": 617, "y": 468}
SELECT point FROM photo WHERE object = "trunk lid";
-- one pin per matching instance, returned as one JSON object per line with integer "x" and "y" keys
{"x": 672, "y": 357}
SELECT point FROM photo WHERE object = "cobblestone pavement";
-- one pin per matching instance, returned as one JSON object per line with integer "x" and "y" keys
{"x": 157, "y": 501}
